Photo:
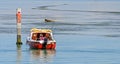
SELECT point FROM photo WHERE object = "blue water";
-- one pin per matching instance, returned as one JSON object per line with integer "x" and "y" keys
{"x": 86, "y": 31}
{"x": 70, "y": 49}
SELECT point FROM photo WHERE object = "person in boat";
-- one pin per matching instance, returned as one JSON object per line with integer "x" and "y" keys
{"x": 34, "y": 36}
{"x": 46, "y": 38}
{"x": 41, "y": 37}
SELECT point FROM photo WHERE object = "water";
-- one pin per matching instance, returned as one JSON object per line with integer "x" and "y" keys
{"x": 87, "y": 32}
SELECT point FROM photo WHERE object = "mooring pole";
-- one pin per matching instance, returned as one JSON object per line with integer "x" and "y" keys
{"x": 18, "y": 20}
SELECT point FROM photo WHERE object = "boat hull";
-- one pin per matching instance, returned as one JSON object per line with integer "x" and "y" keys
{"x": 38, "y": 45}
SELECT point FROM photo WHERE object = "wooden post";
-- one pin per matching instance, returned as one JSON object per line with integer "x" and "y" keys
{"x": 18, "y": 20}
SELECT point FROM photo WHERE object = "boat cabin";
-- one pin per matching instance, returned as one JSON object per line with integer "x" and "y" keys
{"x": 41, "y": 34}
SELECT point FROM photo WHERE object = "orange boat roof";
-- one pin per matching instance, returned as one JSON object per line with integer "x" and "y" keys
{"x": 35, "y": 30}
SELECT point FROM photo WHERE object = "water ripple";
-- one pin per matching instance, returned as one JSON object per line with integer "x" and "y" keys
{"x": 47, "y": 7}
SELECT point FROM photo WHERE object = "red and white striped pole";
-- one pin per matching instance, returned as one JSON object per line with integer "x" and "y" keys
{"x": 18, "y": 20}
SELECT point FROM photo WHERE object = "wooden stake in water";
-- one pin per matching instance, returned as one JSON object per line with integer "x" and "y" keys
{"x": 18, "y": 19}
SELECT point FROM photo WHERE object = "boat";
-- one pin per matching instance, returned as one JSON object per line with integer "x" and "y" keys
{"x": 41, "y": 39}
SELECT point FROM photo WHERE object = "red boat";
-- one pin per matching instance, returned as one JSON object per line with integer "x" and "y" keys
{"x": 41, "y": 39}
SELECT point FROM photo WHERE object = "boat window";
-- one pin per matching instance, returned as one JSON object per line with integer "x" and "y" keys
{"x": 41, "y": 36}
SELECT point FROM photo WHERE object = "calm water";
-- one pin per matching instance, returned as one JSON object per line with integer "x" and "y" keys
{"x": 87, "y": 32}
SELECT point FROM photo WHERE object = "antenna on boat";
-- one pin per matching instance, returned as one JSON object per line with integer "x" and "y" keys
{"x": 18, "y": 20}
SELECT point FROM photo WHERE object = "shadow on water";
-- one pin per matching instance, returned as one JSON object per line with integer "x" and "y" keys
{"x": 42, "y": 55}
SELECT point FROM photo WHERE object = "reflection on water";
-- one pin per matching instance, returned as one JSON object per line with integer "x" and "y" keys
{"x": 42, "y": 56}
{"x": 19, "y": 54}
{"x": 36, "y": 56}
